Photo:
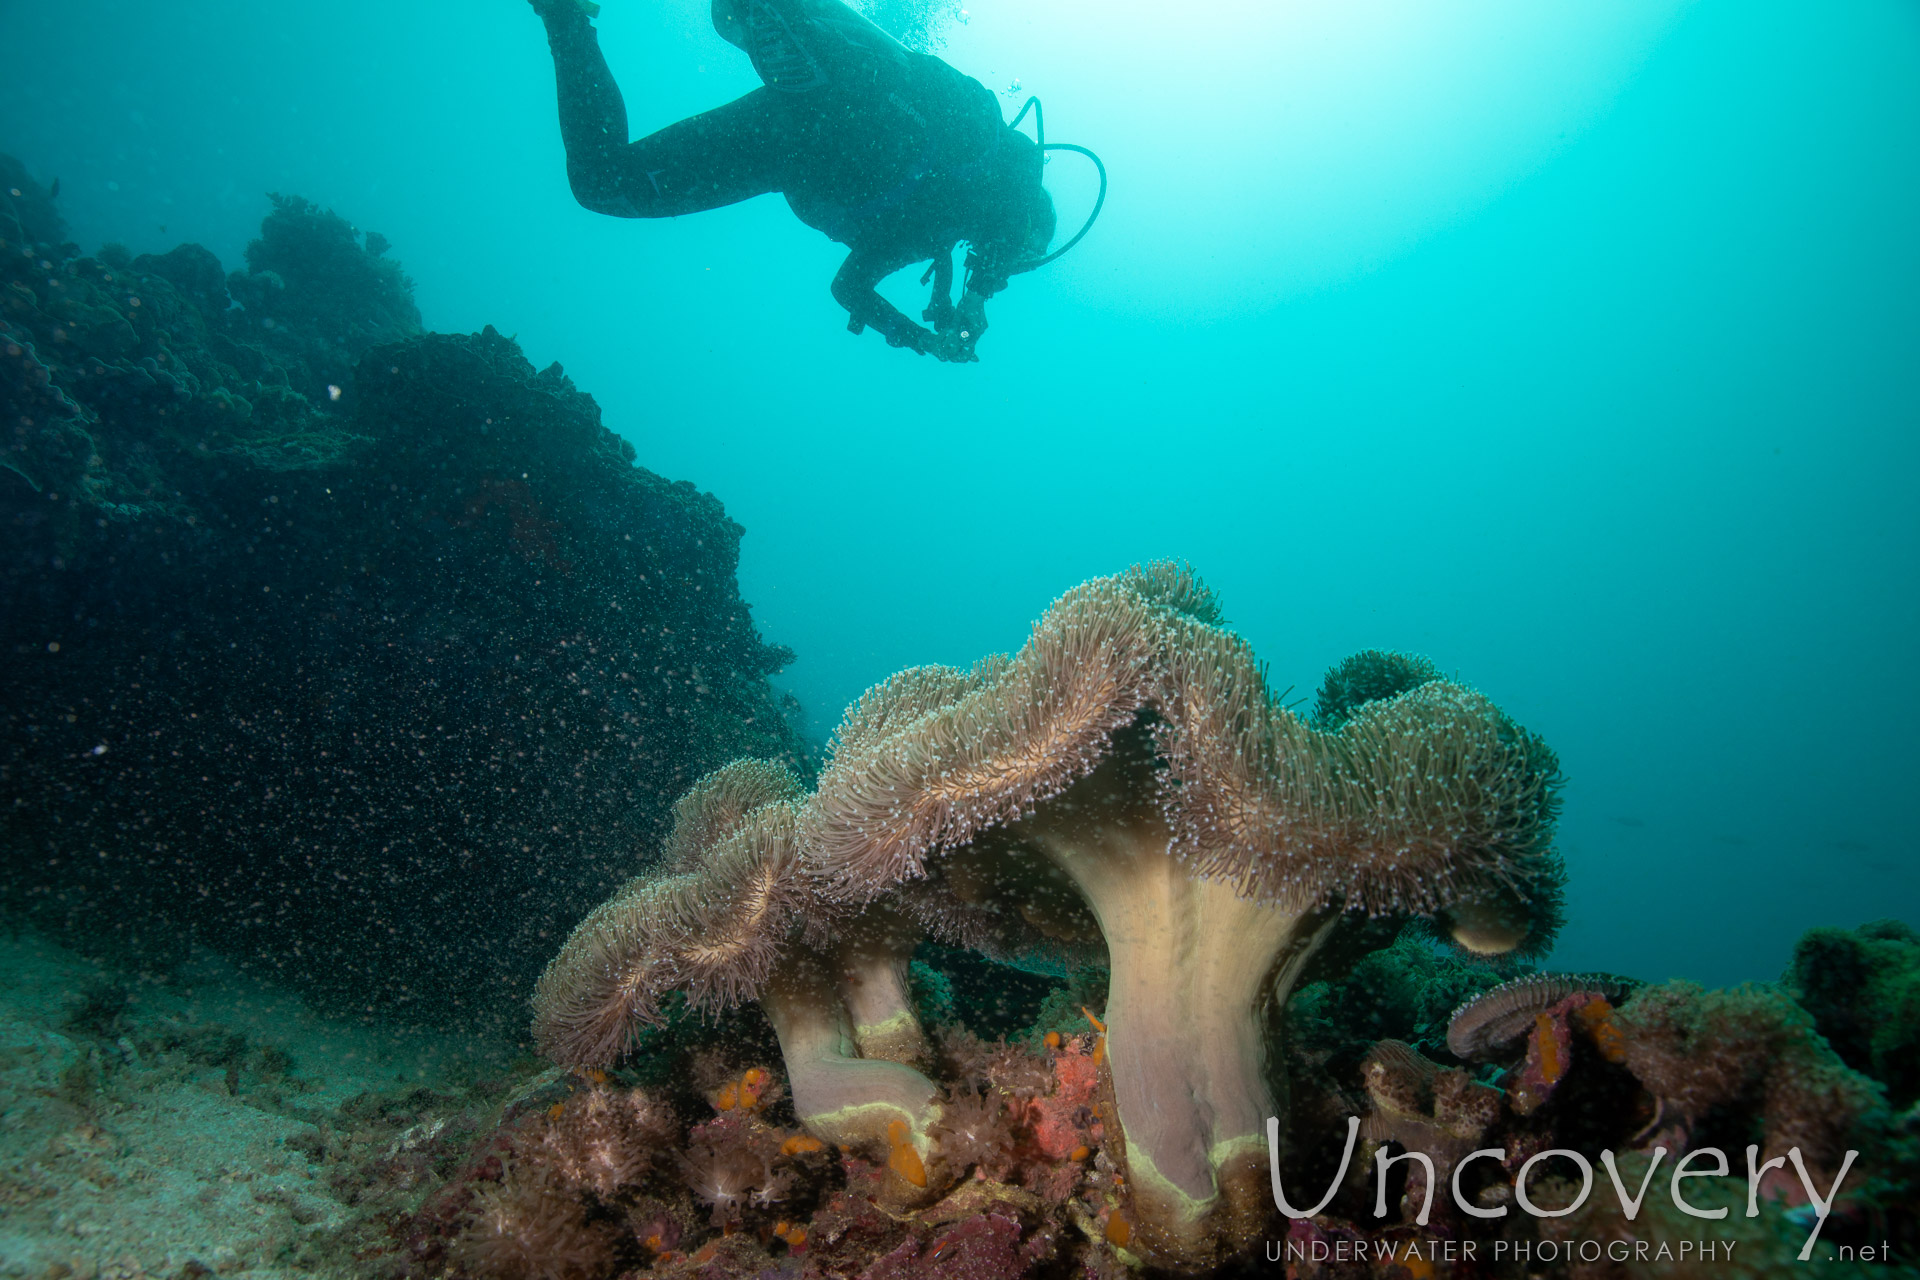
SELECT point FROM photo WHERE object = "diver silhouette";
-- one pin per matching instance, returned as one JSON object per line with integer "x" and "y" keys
{"x": 892, "y": 153}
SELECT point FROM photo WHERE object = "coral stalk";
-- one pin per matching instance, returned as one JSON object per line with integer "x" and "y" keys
{"x": 873, "y": 958}
{"x": 838, "y": 1094}
{"x": 1195, "y": 969}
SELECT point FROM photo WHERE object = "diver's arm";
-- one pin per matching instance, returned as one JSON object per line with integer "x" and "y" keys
{"x": 970, "y": 317}
{"x": 853, "y": 288}
{"x": 940, "y": 312}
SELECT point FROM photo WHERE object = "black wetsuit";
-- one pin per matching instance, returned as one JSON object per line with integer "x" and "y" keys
{"x": 892, "y": 153}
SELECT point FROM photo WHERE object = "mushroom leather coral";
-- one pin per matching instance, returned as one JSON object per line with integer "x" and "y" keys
{"x": 731, "y": 917}
{"x": 1193, "y": 965}
{"x": 1132, "y": 754}
{"x": 1125, "y": 782}
{"x": 714, "y": 929}
{"x": 840, "y": 1093}
{"x": 715, "y": 806}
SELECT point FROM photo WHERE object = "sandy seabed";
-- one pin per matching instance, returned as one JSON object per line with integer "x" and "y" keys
{"x": 175, "y": 1128}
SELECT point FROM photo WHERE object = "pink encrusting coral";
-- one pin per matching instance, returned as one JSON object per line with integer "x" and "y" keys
{"x": 987, "y": 1246}
{"x": 1063, "y": 1119}
{"x": 1025, "y": 1117}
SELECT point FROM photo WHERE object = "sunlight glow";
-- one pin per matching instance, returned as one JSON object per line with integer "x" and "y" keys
{"x": 1261, "y": 149}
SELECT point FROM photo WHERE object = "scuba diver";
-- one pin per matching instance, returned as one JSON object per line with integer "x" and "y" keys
{"x": 892, "y": 153}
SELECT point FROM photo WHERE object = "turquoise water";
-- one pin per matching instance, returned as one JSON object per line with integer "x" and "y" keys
{"x": 1571, "y": 346}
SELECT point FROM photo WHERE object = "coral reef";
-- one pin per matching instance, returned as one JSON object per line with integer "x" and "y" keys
{"x": 605, "y": 1140}
{"x": 46, "y": 441}
{"x": 365, "y": 653}
{"x": 1124, "y": 789}
{"x": 1863, "y": 989}
{"x": 1442, "y": 1114}
{"x": 1763, "y": 1246}
{"x": 526, "y": 1227}
{"x": 742, "y": 1191}
{"x": 1673, "y": 1072}
{"x": 1746, "y": 1065}
{"x": 368, "y": 654}
{"x": 1026, "y": 1171}
{"x": 315, "y": 295}
{"x": 29, "y": 219}
{"x": 320, "y": 1162}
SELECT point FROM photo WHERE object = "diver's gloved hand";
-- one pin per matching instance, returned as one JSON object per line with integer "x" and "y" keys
{"x": 971, "y": 315}
{"x": 954, "y": 346}
{"x": 959, "y": 329}
{"x": 941, "y": 314}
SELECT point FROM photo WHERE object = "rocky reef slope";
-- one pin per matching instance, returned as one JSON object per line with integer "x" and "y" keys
{"x": 362, "y": 651}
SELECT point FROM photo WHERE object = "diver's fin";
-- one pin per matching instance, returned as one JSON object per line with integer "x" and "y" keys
{"x": 546, "y": 8}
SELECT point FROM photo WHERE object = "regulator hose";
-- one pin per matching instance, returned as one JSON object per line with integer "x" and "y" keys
{"x": 1099, "y": 201}
{"x": 1040, "y": 132}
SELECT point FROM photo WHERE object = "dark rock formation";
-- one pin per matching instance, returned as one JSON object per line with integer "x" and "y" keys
{"x": 362, "y": 652}
{"x": 27, "y": 212}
